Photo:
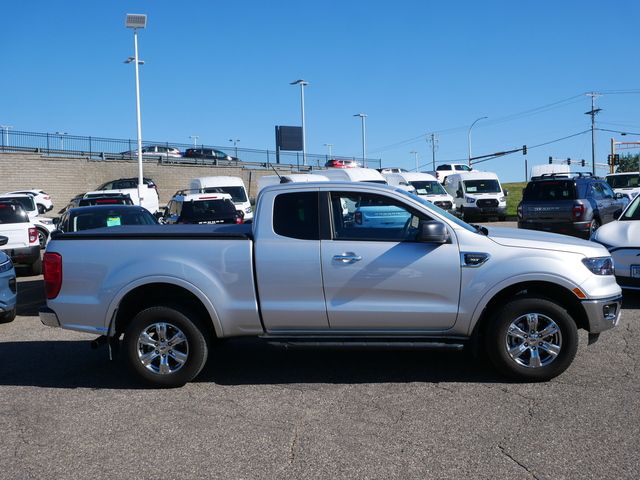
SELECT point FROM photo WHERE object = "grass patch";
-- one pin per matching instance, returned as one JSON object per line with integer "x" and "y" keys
{"x": 514, "y": 197}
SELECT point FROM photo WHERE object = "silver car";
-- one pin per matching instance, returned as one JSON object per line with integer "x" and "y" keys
{"x": 8, "y": 288}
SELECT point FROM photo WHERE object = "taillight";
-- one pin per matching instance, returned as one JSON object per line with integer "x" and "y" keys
{"x": 358, "y": 218}
{"x": 33, "y": 235}
{"x": 52, "y": 269}
{"x": 578, "y": 211}
{"x": 239, "y": 220}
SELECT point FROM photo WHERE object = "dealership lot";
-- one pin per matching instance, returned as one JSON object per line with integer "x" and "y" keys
{"x": 263, "y": 412}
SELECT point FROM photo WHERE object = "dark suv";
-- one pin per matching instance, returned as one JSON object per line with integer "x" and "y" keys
{"x": 574, "y": 204}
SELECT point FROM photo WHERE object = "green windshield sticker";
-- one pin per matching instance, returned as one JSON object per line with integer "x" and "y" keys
{"x": 113, "y": 221}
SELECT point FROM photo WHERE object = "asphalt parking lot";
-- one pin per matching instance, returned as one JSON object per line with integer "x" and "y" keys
{"x": 256, "y": 411}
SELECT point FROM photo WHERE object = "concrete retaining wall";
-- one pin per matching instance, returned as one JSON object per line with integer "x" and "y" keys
{"x": 63, "y": 178}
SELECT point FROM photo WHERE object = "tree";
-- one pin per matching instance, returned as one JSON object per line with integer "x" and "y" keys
{"x": 628, "y": 163}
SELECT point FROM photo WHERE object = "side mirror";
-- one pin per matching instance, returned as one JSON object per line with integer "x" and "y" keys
{"x": 618, "y": 196}
{"x": 506, "y": 193}
{"x": 433, "y": 232}
{"x": 3, "y": 240}
{"x": 56, "y": 221}
{"x": 458, "y": 194}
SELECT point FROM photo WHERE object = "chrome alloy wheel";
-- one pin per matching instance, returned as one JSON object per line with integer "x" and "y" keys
{"x": 163, "y": 348}
{"x": 533, "y": 340}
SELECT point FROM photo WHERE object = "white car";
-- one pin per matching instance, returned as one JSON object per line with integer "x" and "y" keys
{"x": 155, "y": 151}
{"x": 622, "y": 238}
{"x": 44, "y": 225}
{"x": 42, "y": 199}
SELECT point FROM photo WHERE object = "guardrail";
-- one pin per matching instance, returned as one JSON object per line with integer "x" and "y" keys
{"x": 105, "y": 149}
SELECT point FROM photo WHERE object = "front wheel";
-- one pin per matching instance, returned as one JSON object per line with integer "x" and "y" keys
{"x": 532, "y": 339}
{"x": 164, "y": 347}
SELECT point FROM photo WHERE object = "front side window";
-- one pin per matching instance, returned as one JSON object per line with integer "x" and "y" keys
{"x": 363, "y": 216}
{"x": 295, "y": 215}
{"x": 463, "y": 168}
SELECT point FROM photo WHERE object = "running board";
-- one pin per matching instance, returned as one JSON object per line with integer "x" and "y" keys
{"x": 385, "y": 344}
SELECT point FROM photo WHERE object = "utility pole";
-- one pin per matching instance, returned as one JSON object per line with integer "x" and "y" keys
{"x": 434, "y": 146}
{"x": 593, "y": 113}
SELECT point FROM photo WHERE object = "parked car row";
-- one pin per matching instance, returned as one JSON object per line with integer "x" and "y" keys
{"x": 164, "y": 151}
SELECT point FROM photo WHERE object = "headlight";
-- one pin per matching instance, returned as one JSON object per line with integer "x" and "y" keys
{"x": 501, "y": 199}
{"x": 471, "y": 200}
{"x": 6, "y": 266}
{"x": 248, "y": 210}
{"x": 599, "y": 265}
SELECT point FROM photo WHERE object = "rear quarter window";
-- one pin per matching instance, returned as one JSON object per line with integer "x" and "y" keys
{"x": 295, "y": 215}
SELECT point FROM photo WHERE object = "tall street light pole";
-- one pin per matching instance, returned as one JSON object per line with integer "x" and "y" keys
{"x": 329, "y": 145}
{"x": 235, "y": 144}
{"x": 469, "y": 136}
{"x": 364, "y": 137}
{"x": 302, "y": 83}
{"x": 136, "y": 21}
{"x": 415, "y": 157}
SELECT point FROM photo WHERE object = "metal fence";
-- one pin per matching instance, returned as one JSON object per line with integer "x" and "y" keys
{"x": 104, "y": 149}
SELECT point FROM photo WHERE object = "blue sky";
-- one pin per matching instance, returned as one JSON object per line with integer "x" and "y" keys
{"x": 222, "y": 70}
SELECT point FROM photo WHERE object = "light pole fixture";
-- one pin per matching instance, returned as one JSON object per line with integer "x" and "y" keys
{"x": 195, "y": 139}
{"x": 364, "y": 137}
{"x": 329, "y": 146}
{"x": 136, "y": 21}
{"x": 5, "y": 129}
{"x": 469, "y": 136}
{"x": 415, "y": 157}
{"x": 235, "y": 144}
{"x": 302, "y": 83}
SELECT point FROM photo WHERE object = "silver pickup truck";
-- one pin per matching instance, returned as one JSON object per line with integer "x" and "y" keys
{"x": 312, "y": 271}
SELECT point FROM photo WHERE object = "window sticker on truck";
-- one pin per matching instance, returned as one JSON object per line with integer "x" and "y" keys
{"x": 113, "y": 222}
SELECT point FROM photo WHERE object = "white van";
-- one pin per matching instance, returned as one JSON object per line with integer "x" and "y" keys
{"x": 477, "y": 194}
{"x": 354, "y": 175}
{"x": 268, "y": 180}
{"x": 426, "y": 186}
{"x": 626, "y": 183}
{"x": 234, "y": 186}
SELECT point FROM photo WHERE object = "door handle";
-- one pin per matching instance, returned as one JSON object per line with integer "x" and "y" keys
{"x": 348, "y": 257}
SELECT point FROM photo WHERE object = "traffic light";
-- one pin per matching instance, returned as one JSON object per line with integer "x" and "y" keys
{"x": 550, "y": 160}
{"x": 524, "y": 149}
{"x": 582, "y": 162}
{"x": 616, "y": 159}
{"x": 568, "y": 161}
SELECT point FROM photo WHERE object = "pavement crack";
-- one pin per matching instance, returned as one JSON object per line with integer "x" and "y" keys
{"x": 520, "y": 464}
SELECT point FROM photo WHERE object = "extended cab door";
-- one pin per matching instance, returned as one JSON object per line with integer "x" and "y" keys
{"x": 287, "y": 260}
{"x": 377, "y": 277}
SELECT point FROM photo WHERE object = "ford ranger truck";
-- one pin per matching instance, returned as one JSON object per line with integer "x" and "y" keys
{"x": 305, "y": 273}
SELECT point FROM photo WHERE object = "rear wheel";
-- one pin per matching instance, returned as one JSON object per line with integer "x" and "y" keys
{"x": 595, "y": 224}
{"x": 7, "y": 317}
{"x": 42, "y": 238}
{"x": 532, "y": 339}
{"x": 165, "y": 347}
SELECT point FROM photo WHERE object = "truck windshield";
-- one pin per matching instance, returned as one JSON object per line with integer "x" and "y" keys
{"x": 623, "y": 181}
{"x": 238, "y": 194}
{"x": 550, "y": 190}
{"x": 429, "y": 187}
{"x": 482, "y": 186}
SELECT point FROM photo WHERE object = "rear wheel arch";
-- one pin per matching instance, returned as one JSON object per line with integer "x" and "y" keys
{"x": 163, "y": 294}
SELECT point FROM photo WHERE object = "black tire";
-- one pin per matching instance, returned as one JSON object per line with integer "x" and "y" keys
{"x": 595, "y": 225}
{"x": 42, "y": 238}
{"x": 536, "y": 362}
{"x": 41, "y": 209}
{"x": 36, "y": 267}
{"x": 192, "y": 347}
{"x": 8, "y": 317}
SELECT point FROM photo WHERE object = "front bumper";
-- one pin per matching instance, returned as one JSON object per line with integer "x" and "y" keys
{"x": 48, "y": 317}
{"x": 602, "y": 314}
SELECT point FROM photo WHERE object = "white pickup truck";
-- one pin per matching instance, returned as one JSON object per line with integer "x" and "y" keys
{"x": 310, "y": 272}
